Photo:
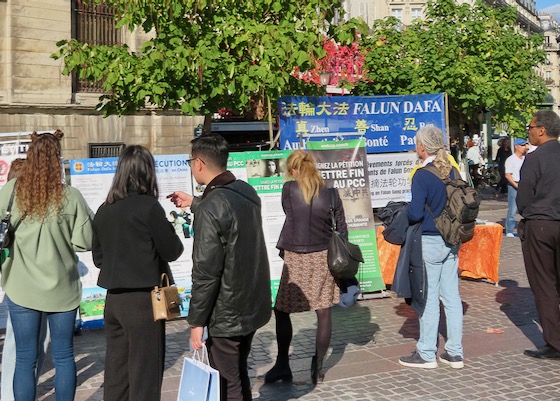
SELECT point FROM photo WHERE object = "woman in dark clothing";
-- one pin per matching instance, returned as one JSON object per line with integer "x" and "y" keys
{"x": 132, "y": 245}
{"x": 501, "y": 156}
{"x": 306, "y": 282}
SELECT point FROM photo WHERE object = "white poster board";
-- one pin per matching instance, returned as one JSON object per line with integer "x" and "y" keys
{"x": 389, "y": 177}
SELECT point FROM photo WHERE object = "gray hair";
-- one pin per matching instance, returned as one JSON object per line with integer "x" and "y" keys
{"x": 550, "y": 121}
{"x": 434, "y": 141}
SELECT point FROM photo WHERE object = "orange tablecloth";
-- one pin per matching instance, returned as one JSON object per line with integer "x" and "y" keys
{"x": 478, "y": 258}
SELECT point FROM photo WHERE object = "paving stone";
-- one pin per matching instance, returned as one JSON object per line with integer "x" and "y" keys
{"x": 368, "y": 339}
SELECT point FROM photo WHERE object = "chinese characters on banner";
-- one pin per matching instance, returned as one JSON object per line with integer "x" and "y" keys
{"x": 388, "y": 123}
{"x": 389, "y": 177}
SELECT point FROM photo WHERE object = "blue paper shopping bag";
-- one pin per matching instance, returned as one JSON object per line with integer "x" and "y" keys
{"x": 199, "y": 381}
{"x": 195, "y": 381}
{"x": 214, "y": 386}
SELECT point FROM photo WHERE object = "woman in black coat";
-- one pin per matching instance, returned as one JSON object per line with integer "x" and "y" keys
{"x": 132, "y": 244}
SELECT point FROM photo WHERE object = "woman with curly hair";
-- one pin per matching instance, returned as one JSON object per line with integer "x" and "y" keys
{"x": 306, "y": 282}
{"x": 52, "y": 222}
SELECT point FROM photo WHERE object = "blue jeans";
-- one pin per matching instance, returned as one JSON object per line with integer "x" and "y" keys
{"x": 512, "y": 209}
{"x": 9, "y": 357}
{"x": 442, "y": 277}
{"x": 27, "y": 329}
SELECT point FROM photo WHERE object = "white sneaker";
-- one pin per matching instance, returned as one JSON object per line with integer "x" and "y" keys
{"x": 510, "y": 235}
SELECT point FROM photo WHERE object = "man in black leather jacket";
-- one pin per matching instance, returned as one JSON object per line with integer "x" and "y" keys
{"x": 230, "y": 278}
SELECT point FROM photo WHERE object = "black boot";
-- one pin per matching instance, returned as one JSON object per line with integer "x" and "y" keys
{"x": 280, "y": 371}
{"x": 317, "y": 374}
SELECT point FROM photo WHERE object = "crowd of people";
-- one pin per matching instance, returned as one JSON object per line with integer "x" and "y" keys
{"x": 132, "y": 243}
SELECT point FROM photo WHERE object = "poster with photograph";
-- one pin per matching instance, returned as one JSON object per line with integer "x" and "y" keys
{"x": 93, "y": 177}
{"x": 265, "y": 173}
{"x": 343, "y": 165}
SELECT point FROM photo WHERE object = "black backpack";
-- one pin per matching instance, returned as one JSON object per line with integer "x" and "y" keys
{"x": 458, "y": 218}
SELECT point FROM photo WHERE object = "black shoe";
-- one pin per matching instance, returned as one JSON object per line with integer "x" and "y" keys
{"x": 545, "y": 352}
{"x": 279, "y": 372}
{"x": 317, "y": 374}
{"x": 416, "y": 361}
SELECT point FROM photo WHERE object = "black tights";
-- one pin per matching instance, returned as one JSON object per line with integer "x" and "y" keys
{"x": 284, "y": 334}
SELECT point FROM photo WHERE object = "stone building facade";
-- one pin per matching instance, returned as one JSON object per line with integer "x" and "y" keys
{"x": 550, "y": 70}
{"x": 408, "y": 10}
{"x": 34, "y": 95}
{"x": 527, "y": 17}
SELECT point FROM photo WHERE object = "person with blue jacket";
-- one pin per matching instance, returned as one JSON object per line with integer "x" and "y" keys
{"x": 440, "y": 259}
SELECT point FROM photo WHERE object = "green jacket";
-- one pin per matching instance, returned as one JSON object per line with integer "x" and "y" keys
{"x": 41, "y": 270}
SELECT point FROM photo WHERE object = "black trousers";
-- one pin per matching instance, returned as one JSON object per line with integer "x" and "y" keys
{"x": 540, "y": 242}
{"x": 135, "y": 352}
{"x": 229, "y": 356}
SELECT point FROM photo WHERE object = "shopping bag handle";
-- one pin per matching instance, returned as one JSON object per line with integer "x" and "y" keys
{"x": 202, "y": 355}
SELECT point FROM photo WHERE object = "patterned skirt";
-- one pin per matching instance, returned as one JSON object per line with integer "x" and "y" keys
{"x": 306, "y": 283}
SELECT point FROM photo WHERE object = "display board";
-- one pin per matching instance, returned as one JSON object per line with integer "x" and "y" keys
{"x": 389, "y": 177}
{"x": 343, "y": 165}
{"x": 93, "y": 177}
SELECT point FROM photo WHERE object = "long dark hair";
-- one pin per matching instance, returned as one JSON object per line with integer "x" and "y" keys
{"x": 136, "y": 173}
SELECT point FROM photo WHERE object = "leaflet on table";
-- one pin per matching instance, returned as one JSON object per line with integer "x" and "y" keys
{"x": 343, "y": 165}
{"x": 265, "y": 172}
{"x": 93, "y": 177}
{"x": 389, "y": 177}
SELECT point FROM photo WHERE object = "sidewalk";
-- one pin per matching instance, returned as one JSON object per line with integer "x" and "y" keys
{"x": 369, "y": 338}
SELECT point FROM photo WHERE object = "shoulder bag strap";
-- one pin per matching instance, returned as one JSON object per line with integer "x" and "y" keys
{"x": 333, "y": 205}
{"x": 9, "y": 210}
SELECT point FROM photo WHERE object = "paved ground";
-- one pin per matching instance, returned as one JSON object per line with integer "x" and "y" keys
{"x": 368, "y": 340}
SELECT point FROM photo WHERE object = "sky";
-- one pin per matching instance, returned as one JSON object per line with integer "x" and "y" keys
{"x": 542, "y": 4}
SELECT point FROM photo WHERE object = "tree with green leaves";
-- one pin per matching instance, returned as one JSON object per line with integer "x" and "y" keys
{"x": 476, "y": 54}
{"x": 206, "y": 55}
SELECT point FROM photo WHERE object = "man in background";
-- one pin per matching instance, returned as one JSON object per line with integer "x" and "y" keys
{"x": 501, "y": 156}
{"x": 538, "y": 201}
{"x": 512, "y": 169}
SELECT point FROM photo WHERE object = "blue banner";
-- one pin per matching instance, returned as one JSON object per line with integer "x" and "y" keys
{"x": 107, "y": 165}
{"x": 389, "y": 123}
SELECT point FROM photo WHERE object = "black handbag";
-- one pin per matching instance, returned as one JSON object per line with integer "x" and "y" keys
{"x": 343, "y": 257}
{"x": 6, "y": 228}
